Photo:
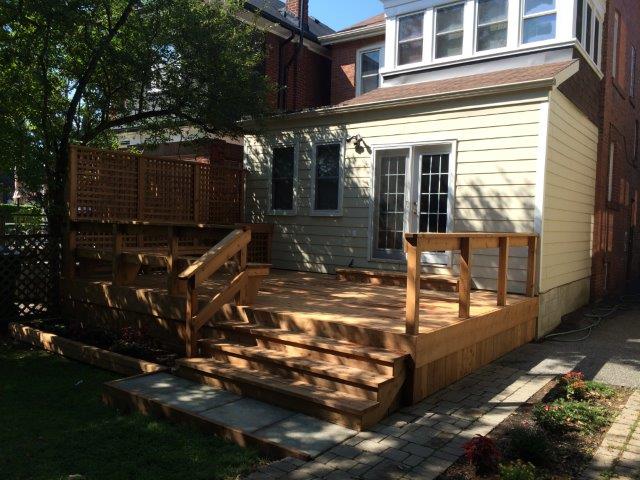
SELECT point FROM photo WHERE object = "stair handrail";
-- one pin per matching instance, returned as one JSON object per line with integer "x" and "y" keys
{"x": 198, "y": 272}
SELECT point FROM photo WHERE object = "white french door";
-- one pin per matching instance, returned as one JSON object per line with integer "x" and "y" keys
{"x": 413, "y": 191}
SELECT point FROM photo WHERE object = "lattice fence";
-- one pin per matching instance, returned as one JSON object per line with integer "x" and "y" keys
{"x": 29, "y": 263}
{"x": 115, "y": 185}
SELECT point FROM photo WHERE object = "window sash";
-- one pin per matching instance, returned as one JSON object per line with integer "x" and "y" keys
{"x": 329, "y": 182}
{"x": 500, "y": 22}
{"x": 443, "y": 34}
{"x": 417, "y": 39}
{"x": 363, "y": 76}
{"x": 283, "y": 177}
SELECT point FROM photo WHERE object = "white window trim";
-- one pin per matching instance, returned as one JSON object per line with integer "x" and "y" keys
{"x": 445, "y": 146}
{"x": 296, "y": 154}
{"x": 476, "y": 24}
{"x": 524, "y": 17}
{"x": 312, "y": 200}
{"x": 436, "y": 34}
{"x": 397, "y": 39}
{"x": 596, "y": 17}
{"x": 359, "y": 52}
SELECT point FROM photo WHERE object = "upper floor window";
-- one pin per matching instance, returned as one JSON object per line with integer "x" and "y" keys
{"x": 538, "y": 20}
{"x": 492, "y": 24}
{"x": 410, "y": 38}
{"x": 449, "y": 30}
{"x": 616, "y": 46}
{"x": 369, "y": 70}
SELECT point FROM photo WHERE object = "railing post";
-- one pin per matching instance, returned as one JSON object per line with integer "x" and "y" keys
{"x": 464, "y": 306}
{"x": 191, "y": 333}
{"x": 196, "y": 193}
{"x": 118, "y": 247}
{"x": 172, "y": 270}
{"x": 503, "y": 249}
{"x": 413, "y": 288}
{"x": 531, "y": 267}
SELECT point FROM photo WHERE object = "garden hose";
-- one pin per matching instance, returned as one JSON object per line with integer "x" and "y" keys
{"x": 598, "y": 314}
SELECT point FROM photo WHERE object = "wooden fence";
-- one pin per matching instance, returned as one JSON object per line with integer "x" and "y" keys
{"x": 29, "y": 262}
{"x": 122, "y": 186}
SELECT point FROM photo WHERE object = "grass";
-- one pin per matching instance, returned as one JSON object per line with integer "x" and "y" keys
{"x": 54, "y": 425}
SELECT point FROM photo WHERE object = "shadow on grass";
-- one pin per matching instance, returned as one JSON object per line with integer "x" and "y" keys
{"x": 54, "y": 425}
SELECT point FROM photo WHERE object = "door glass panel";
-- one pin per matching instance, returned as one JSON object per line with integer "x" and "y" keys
{"x": 434, "y": 193}
{"x": 389, "y": 208}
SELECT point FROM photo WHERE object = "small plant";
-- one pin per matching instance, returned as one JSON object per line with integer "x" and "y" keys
{"x": 530, "y": 443}
{"x": 483, "y": 454}
{"x": 517, "y": 471}
{"x": 575, "y": 387}
{"x": 563, "y": 415}
{"x": 596, "y": 390}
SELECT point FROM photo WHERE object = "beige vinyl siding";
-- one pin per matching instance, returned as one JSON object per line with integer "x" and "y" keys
{"x": 497, "y": 142}
{"x": 569, "y": 195}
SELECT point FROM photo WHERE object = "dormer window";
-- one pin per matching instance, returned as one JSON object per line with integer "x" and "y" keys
{"x": 410, "y": 38}
{"x": 538, "y": 21}
{"x": 368, "y": 69}
{"x": 492, "y": 24}
{"x": 449, "y": 30}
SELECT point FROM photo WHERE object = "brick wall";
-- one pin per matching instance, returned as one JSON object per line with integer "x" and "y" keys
{"x": 616, "y": 244}
{"x": 343, "y": 69}
{"x": 584, "y": 89}
{"x": 308, "y": 82}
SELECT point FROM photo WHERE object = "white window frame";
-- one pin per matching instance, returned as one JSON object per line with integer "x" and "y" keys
{"x": 442, "y": 146}
{"x": 435, "y": 33}
{"x": 524, "y": 17}
{"x": 296, "y": 155}
{"x": 398, "y": 41}
{"x": 359, "y": 53}
{"x": 476, "y": 23}
{"x": 312, "y": 200}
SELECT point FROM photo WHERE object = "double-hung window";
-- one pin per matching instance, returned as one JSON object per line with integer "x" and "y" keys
{"x": 589, "y": 29}
{"x": 492, "y": 24}
{"x": 538, "y": 20}
{"x": 326, "y": 178}
{"x": 410, "y": 38}
{"x": 283, "y": 179}
{"x": 449, "y": 30}
{"x": 369, "y": 74}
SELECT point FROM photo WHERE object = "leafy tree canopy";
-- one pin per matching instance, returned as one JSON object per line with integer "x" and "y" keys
{"x": 72, "y": 71}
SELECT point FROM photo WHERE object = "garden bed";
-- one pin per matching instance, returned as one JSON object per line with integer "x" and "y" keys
{"x": 553, "y": 436}
{"x": 76, "y": 350}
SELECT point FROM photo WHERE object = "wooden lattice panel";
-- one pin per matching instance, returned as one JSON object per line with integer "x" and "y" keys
{"x": 28, "y": 284}
{"x": 117, "y": 185}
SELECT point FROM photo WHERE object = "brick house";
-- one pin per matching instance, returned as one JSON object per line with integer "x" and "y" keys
{"x": 295, "y": 62}
{"x": 551, "y": 86}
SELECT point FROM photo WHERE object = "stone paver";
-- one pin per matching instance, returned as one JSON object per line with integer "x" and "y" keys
{"x": 422, "y": 441}
{"x": 619, "y": 456}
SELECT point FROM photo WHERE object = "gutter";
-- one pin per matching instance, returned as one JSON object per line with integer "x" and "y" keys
{"x": 355, "y": 34}
{"x": 546, "y": 83}
{"x": 280, "y": 21}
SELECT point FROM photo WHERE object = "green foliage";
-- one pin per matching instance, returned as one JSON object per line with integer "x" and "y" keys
{"x": 575, "y": 387}
{"x": 563, "y": 415}
{"x": 530, "y": 443}
{"x": 517, "y": 471}
{"x": 8, "y": 210}
{"x": 72, "y": 71}
{"x": 54, "y": 425}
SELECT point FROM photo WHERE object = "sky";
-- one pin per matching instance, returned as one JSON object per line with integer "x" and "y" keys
{"x": 339, "y": 14}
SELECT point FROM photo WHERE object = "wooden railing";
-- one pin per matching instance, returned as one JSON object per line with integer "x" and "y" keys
{"x": 243, "y": 287}
{"x": 466, "y": 243}
{"x": 183, "y": 277}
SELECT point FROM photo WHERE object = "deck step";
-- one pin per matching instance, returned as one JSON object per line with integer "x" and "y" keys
{"x": 329, "y": 348}
{"x": 353, "y": 381}
{"x": 443, "y": 283}
{"x": 323, "y": 403}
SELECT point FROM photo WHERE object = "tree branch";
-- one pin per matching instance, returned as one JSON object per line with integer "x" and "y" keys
{"x": 120, "y": 121}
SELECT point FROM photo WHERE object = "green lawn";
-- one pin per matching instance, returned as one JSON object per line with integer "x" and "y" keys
{"x": 53, "y": 424}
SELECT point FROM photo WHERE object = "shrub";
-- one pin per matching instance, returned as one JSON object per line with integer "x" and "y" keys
{"x": 517, "y": 471}
{"x": 530, "y": 443}
{"x": 483, "y": 454}
{"x": 575, "y": 387}
{"x": 599, "y": 390}
{"x": 563, "y": 415}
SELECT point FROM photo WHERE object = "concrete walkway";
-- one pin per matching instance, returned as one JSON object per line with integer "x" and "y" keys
{"x": 422, "y": 441}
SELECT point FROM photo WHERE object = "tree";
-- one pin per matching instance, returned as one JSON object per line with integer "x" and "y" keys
{"x": 72, "y": 71}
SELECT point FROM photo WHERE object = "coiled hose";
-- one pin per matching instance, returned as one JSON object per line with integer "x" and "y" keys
{"x": 599, "y": 314}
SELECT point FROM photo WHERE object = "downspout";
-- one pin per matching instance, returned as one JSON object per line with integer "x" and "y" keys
{"x": 282, "y": 77}
{"x": 295, "y": 57}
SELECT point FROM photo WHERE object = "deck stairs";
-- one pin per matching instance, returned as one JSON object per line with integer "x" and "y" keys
{"x": 334, "y": 380}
